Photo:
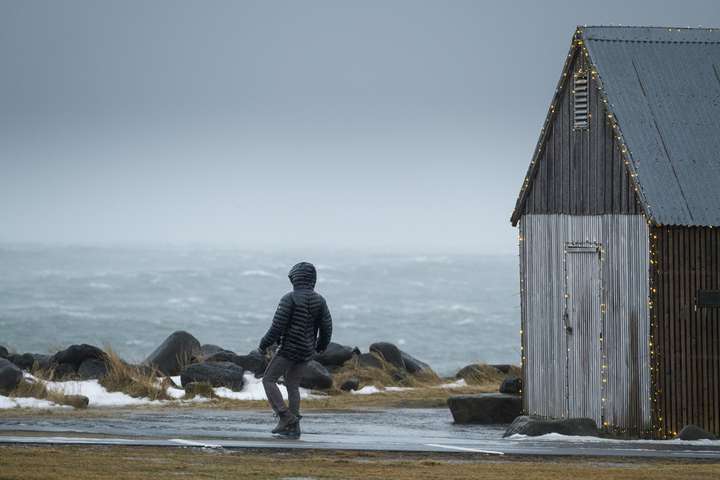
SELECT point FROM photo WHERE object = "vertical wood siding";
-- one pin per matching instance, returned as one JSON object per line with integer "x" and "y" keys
{"x": 624, "y": 356}
{"x": 687, "y": 338}
{"x": 581, "y": 172}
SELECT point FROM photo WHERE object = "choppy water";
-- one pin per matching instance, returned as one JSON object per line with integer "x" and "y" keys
{"x": 446, "y": 310}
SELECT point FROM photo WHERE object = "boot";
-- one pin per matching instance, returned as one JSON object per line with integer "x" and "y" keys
{"x": 286, "y": 419}
{"x": 292, "y": 432}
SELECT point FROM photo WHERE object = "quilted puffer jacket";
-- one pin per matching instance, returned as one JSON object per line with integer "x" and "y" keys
{"x": 302, "y": 324}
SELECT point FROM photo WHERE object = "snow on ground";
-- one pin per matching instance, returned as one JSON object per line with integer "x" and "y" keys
{"x": 254, "y": 390}
{"x": 19, "y": 402}
{"x": 372, "y": 389}
{"x": 558, "y": 437}
{"x": 457, "y": 384}
{"x": 98, "y": 395}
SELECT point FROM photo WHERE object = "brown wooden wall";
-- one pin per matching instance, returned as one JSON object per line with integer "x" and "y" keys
{"x": 687, "y": 338}
{"x": 581, "y": 172}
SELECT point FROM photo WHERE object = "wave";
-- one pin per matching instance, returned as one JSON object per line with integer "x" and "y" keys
{"x": 259, "y": 273}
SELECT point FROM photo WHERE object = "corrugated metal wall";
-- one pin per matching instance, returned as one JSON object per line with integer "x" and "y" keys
{"x": 624, "y": 357}
{"x": 581, "y": 171}
{"x": 687, "y": 337}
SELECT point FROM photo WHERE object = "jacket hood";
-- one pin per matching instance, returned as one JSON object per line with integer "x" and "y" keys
{"x": 303, "y": 275}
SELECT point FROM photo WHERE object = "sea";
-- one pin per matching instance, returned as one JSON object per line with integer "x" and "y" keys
{"x": 447, "y": 310}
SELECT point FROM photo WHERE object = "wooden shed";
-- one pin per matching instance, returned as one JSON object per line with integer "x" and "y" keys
{"x": 619, "y": 218}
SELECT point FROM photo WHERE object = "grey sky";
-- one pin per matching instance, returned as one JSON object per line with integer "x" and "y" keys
{"x": 370, "y": 124}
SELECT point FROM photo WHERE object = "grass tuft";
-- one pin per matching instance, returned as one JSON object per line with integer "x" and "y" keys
{"x": 37, "y": 388}
{"x": 203, "y": 389}
{"x": 122, "y": 377}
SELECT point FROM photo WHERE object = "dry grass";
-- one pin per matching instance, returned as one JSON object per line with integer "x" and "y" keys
{"x": 387, "y": 376}
{"x": 38, "y": 389}
{"x": 121, "y": 377}
{"x": 83, "y": 463}
{"x": 200, "y": 388}
{"x": 481, "y": 374}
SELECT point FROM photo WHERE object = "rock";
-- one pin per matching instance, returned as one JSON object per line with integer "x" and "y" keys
{"x": 210, "y": 349}
{"x": 535, "y": 426}
{"x": 316, "y": 377}
{"x": 369, "y": 360}
{"x": 511, "y": 385}
{"x": 350, "y": 384}
{"x": 389, "y": 352}
{"x": 502, "y": 368}
{"x": 77, "y": 401}
{"x": 92, "y": 368}
{"x": 485, "y": 408}
{"x": 693, "y": 432}
{"x": 335, "y": 355}
{"x": 478, "y": 374}
{"x": 10, "y": 376}
{"x": 179, "y": 349}
{"x": 4, "y": 352}
{"x": 76, "y": 354}
{"x": 217, "y": 374}
{"x": 413, "y": 365}
{"x": 63, "y": 371}
{"x": 254, "y": 361}
{"x": 193, "y": 389}
{"x": 27, "y": 361}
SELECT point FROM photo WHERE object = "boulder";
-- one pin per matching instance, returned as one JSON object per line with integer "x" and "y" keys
{"x": 27, "y": 361}
{"x": 254, "y": 361}
{"x": 334, "y": 355}
{"x": 511, "y": 385}
{"x": 4, "y": 352}
{"x": 535, "y": 426}
{"x": 77, "y": 401}
{"x": 369, "y": 360}
{"x": 316, "y": 377}
{"x": 485, "y": 408}
{"x": 350, "y": 384}
{"x": 179, "y": 349}
{"x": 389, "y": 352}
{"x": 63, "y": 371}
{"x": 217, "y": 374}
{"x": 502, "y": 368}
{"x": 413, "y": 365}
{"x": 210, "y": 349}
{"x": 92, "y": 368}
{"x": 10, "y": 376}
{"x": 693, "y": 432}
{"x": 77, "y": 354}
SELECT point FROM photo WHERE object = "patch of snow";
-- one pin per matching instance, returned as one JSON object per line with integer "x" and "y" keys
{"x": 97, "y": 394}
{"x": 456, "y": 384}
{"x": 372, "y": 389}
{"x": 254, "y": 390}
{"x": 20, "y": 402}
{"x": 175, "y": 392}
{"x": 558, "y": 437}
{"x": 366, "y": 390}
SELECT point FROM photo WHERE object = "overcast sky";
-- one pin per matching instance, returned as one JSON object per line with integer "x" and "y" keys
{"x": 384, "y": 125}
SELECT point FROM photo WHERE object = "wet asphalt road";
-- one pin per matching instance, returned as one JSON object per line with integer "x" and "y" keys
{"x": 399, "y": 430}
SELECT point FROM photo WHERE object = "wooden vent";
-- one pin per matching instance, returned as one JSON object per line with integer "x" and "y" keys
{"x": 580, "y": 94}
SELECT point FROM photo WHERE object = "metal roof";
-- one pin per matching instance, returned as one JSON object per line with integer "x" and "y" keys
{"x": 663, "y": 87}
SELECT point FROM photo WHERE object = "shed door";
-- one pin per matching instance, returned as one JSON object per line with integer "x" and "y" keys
{"x": 583, "y": 326}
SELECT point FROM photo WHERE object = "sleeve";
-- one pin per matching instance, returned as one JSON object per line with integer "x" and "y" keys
{"x": 325, "y": 328}
{"x": 279, "y": 323}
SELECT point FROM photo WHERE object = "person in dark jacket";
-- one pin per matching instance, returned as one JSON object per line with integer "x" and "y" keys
{"x": 302, "y": 326}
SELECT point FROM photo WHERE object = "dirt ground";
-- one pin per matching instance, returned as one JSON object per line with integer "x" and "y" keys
{"x": 83, "y": 462}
